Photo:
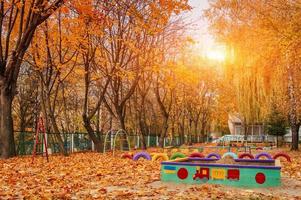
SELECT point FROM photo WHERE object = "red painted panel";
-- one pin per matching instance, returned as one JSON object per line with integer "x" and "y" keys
{"x": 233, "y": 174}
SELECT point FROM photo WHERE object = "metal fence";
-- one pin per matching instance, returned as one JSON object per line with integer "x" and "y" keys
{"x": 250, "y": 138}
{"x": 75, "y": 142}
{"x": 72, "y": 142}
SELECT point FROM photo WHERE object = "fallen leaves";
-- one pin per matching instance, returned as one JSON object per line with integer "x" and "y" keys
{"x": 102, "y": 176}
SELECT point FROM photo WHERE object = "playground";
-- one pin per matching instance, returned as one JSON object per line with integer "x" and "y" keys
{"x": 150, "y": 99}
{"x": 104, "y": 176}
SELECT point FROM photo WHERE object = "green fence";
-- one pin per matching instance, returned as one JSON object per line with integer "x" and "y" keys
{"x": 74, "y": 142}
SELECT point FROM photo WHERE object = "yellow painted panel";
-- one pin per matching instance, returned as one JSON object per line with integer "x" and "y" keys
{"x": 218, "y": 174}
{"x": 169, "y": 171}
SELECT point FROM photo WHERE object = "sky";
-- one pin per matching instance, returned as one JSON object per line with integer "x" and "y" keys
{"x": 200, "y": 31}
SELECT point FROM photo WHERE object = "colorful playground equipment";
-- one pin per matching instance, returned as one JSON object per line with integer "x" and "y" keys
{"x": 196, "y": 155}
{"x": 123, "y": 139}
{"x": 244, "y": 172}
{"x": 243, "y": 155}
{"x": 187, "y": 150}
{"x": 282, "y": 155}
{"x": 127, "y": 155}
{"x": 160, "y": 156}
{"x": 143, "y": 154}
{"x": 240, "y": 170}
{"x": 177, "y": 155}
{"x": 231, "y": 154}
{"x": 266, "y": 155}
{"x": 216, "y": 155}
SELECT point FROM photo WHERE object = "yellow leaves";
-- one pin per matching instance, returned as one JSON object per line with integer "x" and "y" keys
{"x": 19, "y": 5}
{"x": 190, "y": 40}
{"x": 79, "y": 71}
{"x": 132, "y": 45}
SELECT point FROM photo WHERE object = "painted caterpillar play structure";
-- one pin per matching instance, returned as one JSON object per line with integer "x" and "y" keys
{"x": 164, "y": 156}
{"x": 245, "y": 170}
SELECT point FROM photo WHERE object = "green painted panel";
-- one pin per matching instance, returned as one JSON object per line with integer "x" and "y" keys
{"x": 246, "y": 176}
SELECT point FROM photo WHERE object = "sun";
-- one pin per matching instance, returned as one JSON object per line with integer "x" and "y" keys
{"x": 211, "y": 51}
{"x": 216, "y": 54}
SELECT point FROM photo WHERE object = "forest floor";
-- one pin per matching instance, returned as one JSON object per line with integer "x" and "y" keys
{"x": 102, "y": 176}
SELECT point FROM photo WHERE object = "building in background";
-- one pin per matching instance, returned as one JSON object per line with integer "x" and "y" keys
{"x": 236, "y": 126}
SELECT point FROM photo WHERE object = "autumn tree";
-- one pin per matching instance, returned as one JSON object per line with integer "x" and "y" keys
{"x": 53, "y": 57}
{"x": 272, "y": 29}
{"x": 88, "y": 35}
{"x": 132, "y": 38}
{"x": 18, "y": 22}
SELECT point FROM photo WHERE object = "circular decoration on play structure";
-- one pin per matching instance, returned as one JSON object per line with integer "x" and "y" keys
{"x": 259, "y": 148}
{"x": 142, "y": 154}
{"x": 264, "y": 154}
{"x": 231, "y": 154}
{"x": 182, "y": 173}
{"x": 260, "y": 178}
{"x": 288, "y": 158}
{"x": 196, "y": 155}
{"x": 162, "y": 156}
{"x": 177, "y": 155}
{"x": 127, "y": 155}
{"x": 243, "y": 155}
{"x": 216, "y": 155}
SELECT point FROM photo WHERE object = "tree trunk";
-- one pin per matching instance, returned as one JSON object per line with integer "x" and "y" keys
{"x": 143, "y": 142}
{"x": 97, "y": 142}
{"x": 182, "y": 136}
{"x": 295, "y": 137}
{"x": 50, "y": 114}
{"x": 190, "y": 135}
{"x": 203, "y": 134}
{"x": 245, "y": 127}
{"x": 7, "y": 143}
{"x": 163, "y": 133}
{"x": 196, "y": 130}
{"x": 121, "y": 120}
{"x": 57, "y": 134}
{"x": 173, "y": 138}
{"x": 182, "y": 130}
{"x": 143, "y": 132}
{"x": 293, "y": 121}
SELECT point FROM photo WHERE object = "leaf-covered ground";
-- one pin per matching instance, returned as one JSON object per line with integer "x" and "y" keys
{"x": 102, "y": 176}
